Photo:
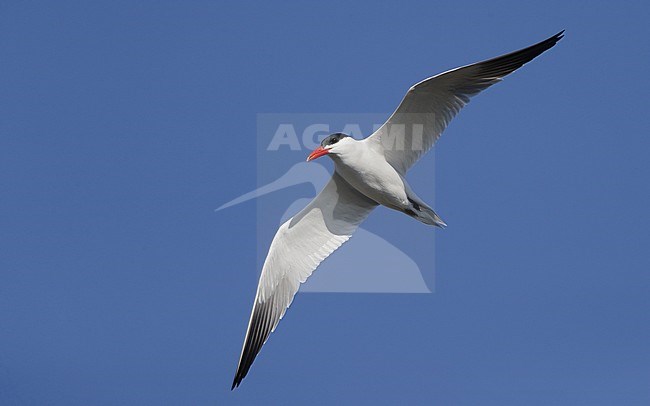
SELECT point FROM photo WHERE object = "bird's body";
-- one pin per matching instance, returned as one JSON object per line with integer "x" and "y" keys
{"x": 368, "y": 173}
{"x": 363, "y": 165}
{"x": 366, "y": 169}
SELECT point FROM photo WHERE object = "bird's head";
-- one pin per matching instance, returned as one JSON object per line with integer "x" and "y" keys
{"x": 333, "y": 144}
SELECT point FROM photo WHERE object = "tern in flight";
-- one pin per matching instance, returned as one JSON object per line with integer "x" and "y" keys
{"x": 368, "y": 173}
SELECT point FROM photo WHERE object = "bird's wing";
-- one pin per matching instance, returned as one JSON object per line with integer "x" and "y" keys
{"x": 298, "y": 247}
{"x": 430, "y": 105}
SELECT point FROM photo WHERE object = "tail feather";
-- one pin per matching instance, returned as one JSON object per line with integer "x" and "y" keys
{"x": 424, "y": 213}
{"x": 428, "y": 216}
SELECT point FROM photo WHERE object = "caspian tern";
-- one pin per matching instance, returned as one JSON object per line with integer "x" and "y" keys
{"x": 368, "y": 173}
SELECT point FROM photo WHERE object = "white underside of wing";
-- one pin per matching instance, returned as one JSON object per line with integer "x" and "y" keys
{"x": 298, "y": 247}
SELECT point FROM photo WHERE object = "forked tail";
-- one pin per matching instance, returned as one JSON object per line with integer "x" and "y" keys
{"x": 420, "y": 211}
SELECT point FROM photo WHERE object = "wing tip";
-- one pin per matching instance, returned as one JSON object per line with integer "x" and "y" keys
{"x": 555, "y": 38}
{"x": 263, "y": 318}
{"x": 243, "y": 366}
{"x": 239, "y": 377}
{"x": 545, "y": 45}
{"x": 551, "y": 41}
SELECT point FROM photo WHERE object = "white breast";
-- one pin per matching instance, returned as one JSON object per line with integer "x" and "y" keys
{"x": 368, "y": 172}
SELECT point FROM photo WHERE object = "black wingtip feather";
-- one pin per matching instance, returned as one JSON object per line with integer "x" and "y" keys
{"x": 262, "y": 321}
{"x": 503, "y": 65}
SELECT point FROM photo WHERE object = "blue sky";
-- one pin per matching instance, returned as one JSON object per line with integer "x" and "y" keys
{"x": 124, "y": 124}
